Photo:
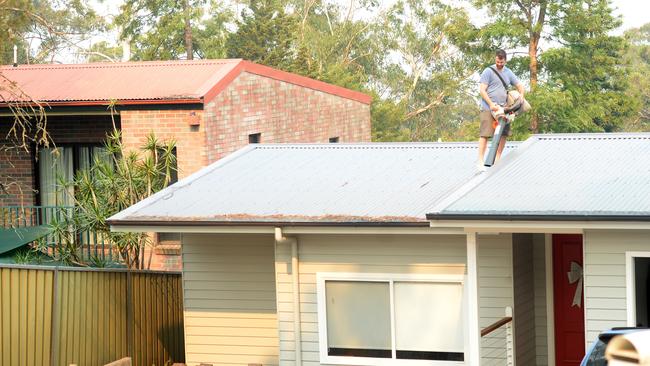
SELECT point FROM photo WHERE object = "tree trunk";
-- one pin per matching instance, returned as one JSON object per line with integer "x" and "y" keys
{"x": 188, "y": 31}
{"x": 535, "y": 35}
{"x": 532, "y": 54}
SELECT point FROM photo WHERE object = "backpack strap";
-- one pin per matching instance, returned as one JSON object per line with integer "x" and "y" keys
{"x": 500, "y": 78}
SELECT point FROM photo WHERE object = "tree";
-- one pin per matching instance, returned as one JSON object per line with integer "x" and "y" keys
{"x": 427, "y": 67}
{"x": 265, "y": 34}
{"x": 160, "y": 29}
{"x": 519, "y": 24}
{"x": 44, "y": 30}
{"x": 587, "y": 76}
{"x": 114, "y": 182}
{"x": 638, "y": 58}
{"x": 337, "y": 45}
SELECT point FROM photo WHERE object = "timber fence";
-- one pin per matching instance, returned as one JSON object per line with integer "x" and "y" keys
{"x": 63, "y": 315}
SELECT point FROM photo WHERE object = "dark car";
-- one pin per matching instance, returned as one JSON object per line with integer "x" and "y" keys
{"x": 596, "y": 354}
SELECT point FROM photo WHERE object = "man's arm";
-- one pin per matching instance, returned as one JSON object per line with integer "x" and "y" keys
{"x": 486, "y": 97}
{"x": 520, "y": 89}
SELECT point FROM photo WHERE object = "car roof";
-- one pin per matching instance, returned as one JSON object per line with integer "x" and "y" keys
{"x": 607, "y": 335}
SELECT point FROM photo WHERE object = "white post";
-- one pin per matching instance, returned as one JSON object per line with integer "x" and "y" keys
{"x": 510, "y": 357}
{"x": 472, "y": 301}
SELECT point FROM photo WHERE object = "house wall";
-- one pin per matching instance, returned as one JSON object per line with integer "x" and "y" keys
{"x": 496, "y": 292}
{"x": 18, "y": 166}
{"x": 419, "y": 254}
{"x": 524, "y": 297}
{"x": 604, "y": 277}
{"x": 281, "y": 112}
{"x": 229, "y": 300}
{"x": 170, "y": 124}
{"x": 539, "y": 282}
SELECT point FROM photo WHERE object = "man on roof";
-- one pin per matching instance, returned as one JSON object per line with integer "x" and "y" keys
{"x": 494, "y": 94}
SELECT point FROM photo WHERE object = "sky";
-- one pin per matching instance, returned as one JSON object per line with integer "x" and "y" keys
{"x": 635, "y": 12}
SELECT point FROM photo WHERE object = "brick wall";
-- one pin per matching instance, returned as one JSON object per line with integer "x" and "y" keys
{"x": 169, "y": 124}
{"x": 18, "y": 166}
{"x": 281, "y": 112}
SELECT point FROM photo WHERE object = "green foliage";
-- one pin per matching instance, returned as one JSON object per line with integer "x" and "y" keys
{"x": 44, "y": 29}
{"x": 27, "y": 256}
{"x": 427, "y": 67}
{"x": 103, "y": 52}
{"x": 265, "y": 34}
{"x": 637, "y": 57}
{"x": 156, "y": 28}
{"x": 587, "y": 77}
{"x": 113, "y": 183}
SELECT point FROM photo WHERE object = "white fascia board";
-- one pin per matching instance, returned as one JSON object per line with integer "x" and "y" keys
{"x": 556, "y": 227}
{"x": 291, "y": 230}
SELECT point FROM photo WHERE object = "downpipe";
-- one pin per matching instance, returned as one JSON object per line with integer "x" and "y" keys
{"x": 295, "y": 285}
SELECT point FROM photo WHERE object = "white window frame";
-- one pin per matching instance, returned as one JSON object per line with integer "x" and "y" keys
{"x": 630, "y": 285}
{"x": 390, "y": 278}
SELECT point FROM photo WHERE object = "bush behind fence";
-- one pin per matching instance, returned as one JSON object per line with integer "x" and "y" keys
{"x": 62, "y": 316}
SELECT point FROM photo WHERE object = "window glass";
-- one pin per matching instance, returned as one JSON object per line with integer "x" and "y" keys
{"x": 358, "y": 318}
{"x": 395, "y": 317}
{"x": 428, "y": 320}
{"x": 642, "y": 291}
{"x": 60, "y": 163}
{"x": 55, "y": 164}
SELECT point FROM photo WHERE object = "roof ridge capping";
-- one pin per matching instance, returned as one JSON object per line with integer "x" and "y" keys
{"x": 593, "y": 136}
{"x": 377, "y": 145}
{"x": 127, "y": 64}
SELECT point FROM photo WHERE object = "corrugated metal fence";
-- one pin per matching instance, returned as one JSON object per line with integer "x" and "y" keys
{"x": 62, "y": 316}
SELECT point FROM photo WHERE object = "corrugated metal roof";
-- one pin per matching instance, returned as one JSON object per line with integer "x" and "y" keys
{"x": 196, "y": 81}
{"x": 574, "y": 175}
{"x": 155, "y": 80}
{"x": 314, "y": 183}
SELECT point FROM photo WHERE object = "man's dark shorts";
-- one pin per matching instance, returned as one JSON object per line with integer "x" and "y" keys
{"x": 487, "y": 128}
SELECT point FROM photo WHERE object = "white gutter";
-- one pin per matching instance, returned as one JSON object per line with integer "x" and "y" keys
{"x": 295, "y": 282}
{"x": 555, "y": 227}
{"x": 289, "y": 230}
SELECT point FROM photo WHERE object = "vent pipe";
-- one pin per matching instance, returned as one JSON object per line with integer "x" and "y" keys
{"x": 15, "y": 56}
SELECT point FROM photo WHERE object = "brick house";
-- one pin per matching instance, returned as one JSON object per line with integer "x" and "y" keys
{"x": 210, "y": 107}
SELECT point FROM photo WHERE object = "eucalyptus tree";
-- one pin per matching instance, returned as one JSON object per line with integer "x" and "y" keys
{"x": 586, "y": 74}
{"x": 427, "y": 67}
{"x": 46, "y": 31}
{"x": 171, "y": 29}
{"x": 638, "y": 57}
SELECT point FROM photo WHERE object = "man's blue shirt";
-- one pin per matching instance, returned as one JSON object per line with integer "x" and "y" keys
{"x": 495, "y": 89}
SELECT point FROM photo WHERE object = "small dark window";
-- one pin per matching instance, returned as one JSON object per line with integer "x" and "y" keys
{"x": 334, "y": 140}
{"x": 254, "y": 138}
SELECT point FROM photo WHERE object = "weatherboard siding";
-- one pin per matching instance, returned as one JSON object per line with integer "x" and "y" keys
{"x": 495, "y": 292}
{"x": 539, "y": 281}
{"x": 604, "y": 277}
{"x": 400, "y": 254}
{"x": 524, "y": 296}
{"x": 229, "y": 300}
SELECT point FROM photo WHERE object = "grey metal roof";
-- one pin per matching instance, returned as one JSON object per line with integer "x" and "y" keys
{"x": 561, "y": 177}
{"x": 313, "y": 183}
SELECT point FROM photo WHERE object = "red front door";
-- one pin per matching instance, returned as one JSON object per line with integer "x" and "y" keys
{"x": 569, "y": 300}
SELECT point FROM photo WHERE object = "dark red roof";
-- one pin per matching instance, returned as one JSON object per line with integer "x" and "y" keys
{"x": 151, "y": 82}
